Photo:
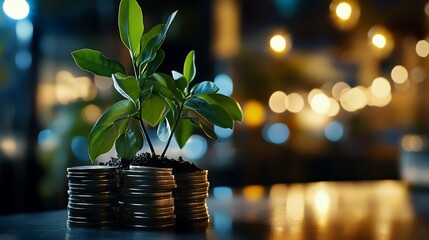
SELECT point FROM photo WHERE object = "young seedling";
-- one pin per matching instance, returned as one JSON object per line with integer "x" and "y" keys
{"x": 170, "y": 103}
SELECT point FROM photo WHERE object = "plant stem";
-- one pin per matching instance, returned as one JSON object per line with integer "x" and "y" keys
{"x": 172, "y": 131}
{"x": 147, "y": 136}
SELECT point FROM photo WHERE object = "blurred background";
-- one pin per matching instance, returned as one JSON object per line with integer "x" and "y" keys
{"x": 330, "y": 90}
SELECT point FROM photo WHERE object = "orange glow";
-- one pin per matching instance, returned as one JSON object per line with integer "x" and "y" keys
{"x": 253, "y": 192}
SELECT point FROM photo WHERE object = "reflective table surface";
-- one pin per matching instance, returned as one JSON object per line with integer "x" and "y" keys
{"x": 323, "y": 210}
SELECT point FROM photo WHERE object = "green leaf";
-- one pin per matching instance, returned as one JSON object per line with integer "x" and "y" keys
{"x": 117, "y": 111}
{"x": 93, "y": 61}
{"x": 102, "y": 138}
{"x": 189, "y": 69}
{"x": 129, "y": 143}
{"x": 146, "y": 93}
{"x": 183, "y": 132}
{"x": 205, "y": 87}
{"x": 164, "y": 130}
{"x": 153, "y": 109}
{"x": 152, "y": 66}
{"x": 127, "y": 86}
{"x": 227, "y": 103}
{"x": 214, "y": 114}
{"x": 131, "y": 27}
{"x": 166, "y": 86}
{"x": 209, "y": 132}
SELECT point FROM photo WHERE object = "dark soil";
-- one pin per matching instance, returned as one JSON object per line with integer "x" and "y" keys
{"x": 146, "y": 159}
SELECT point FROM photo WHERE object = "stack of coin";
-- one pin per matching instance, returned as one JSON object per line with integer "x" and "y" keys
{"x": 93, "y": 196}
{"x": 146, "y": 198}
{"x": 190, "y": 198}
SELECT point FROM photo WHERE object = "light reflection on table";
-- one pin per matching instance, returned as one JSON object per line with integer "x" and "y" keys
{"x": 324, "y": 210}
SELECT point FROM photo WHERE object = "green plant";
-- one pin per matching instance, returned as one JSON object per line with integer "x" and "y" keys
{"x": 169, "y": 103}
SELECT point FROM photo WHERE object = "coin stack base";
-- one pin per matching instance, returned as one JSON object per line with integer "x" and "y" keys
{"x": 147, "y": 198}
{"x": 190, "y": 199}
{"x": 93, "y": 196}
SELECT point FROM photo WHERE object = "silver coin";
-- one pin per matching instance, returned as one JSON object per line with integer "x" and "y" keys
{"x": 91, "y": 168}
{"x": 96, "y": 194}
{"x": 148, "y": 172}
{"x": 190, "y": 196}
{"x": 157, "y": 209}
{"x": 90, "y": 205}
{"x": 151, "y": 227}
{"x": 187, "y": 204}
{"x": 191, "y": 191}
{"x": 142, "y": 193}
{"x": 149, "y": 182}
{"x": 92, "y": 181}
{"x": 154, "y": 202}
{"x": 180, "y": 212}
{"x": 91, "y": 224}
{"x": 190, "y": 218}
{"x": 150, "y": 186}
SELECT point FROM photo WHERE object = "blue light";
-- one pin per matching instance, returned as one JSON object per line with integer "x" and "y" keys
{"x": 222, "y": 193}
{"x": 224, "y": 83}
{"x": 276, "y": 133}
{"x": 334, "y": 131}
{"x": 195, "y": 148}
{"x": 223, "y": 132}
{"x": 24, "y": 30}
{"x": 23, "y": 59}
{"x": 79, "y": 146}
{"x": 44, "y": 136}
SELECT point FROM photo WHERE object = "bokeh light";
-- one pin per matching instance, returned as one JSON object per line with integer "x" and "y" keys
{"x": 222, "y": 192}
{"x": 334, "y": 108}
{"x": 23, "y": 59}
{"x": 296, "y": 103}
{"x": 276, "y": 133}
{"x": 354, "y": 99}
{"x": 223, "y": 132}
{"x": 224, "y": 83}
{"x": 195, "y": 148}
{"x": 417, "y": 74}
{"x": 380, "y": 40}
{"x": 380, "y": 87}
{"x": 399, "y": 74}
{"x": 254, "y": 113}
{"x": 24, "y": 30}
{"x": 79, "y": 147}
{"x": 16, "y": 9}
{"x": 422, "y": 48}
{"x": 253, "y": 192}
{"x": 412, "y": 143}
{"x": 345, "y": 14}
{"x": 339, "y": 89}
{"x": 334, "y": 131}
{"x": 278, "y": 102}
{"x": 320, "y": 103}
{"x": 91, "y": 113}
{"x": 278, "y": 43}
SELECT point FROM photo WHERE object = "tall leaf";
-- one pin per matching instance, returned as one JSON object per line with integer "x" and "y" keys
{"x": 93, "y": 61}
{"x": 183, "y": 132}
{"x": 205, "y": 87}
{"x": 130, "y": 21}
{"x": 127, "y": 86}
{"x": 189, "y": 69}
{"x": 227, "y": 103}
{"x": 214, "y": 114}
{"x": 153, "y": 109}
{"x": 152, "y": 66}
{"x": 102, "y": 138}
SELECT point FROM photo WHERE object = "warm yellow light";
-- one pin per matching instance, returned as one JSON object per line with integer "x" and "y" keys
{"x": 422, "y": 48}
{"x": 412, "y": 143}
{"x": 69, "y": 89}
{"x": 254, "y": 113}
{"x": 380, "y": 87}
{"x": 339, "y": 89}
{"x": 344, "y": 10}
{"x": 9, "y": 146}
{"x": 278, "y": 102}
{"x": 334, "y": 108}
{"x": 379, "y": 40}
{"x": 253, "y": 192}
{"x": 296, "y": 103}
{"x": 310, "y": 120}
{"x": 278, "y": 43}
{"x": 354, "y": 99}
{"x": 344, "y": 14}
{"x": 91, "y": 113}
{"x": 399, "y": 74}
{"x": 320, "y": 103}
